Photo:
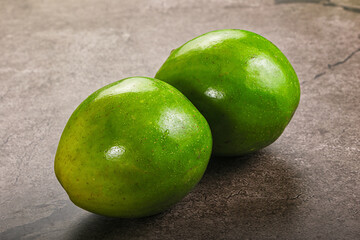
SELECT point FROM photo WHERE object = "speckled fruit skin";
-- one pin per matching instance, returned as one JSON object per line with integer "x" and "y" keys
{"x": 242, "y": 83}
{"x": 132, "y": 149}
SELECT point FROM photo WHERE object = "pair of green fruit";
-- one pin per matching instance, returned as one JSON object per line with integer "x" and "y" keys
{"x": 137, "y": 146}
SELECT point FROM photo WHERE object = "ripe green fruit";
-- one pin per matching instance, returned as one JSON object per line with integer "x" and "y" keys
{"x": 132, "y": 149}
{"x": 242, "y": 83}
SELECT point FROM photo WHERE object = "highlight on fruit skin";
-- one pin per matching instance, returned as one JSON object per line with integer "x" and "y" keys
{"x": 132, "y": 149}
{"x": 242, "y": 83}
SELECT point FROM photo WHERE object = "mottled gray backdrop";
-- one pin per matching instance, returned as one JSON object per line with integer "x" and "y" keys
{"x": 306, "y": 185}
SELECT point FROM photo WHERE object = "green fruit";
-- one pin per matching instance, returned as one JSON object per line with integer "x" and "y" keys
{"x": 132, "y": 149}
{"x": 243, "y": 85}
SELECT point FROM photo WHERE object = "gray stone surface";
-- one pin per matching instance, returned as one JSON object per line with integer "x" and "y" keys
{"x": 304, "y": 186}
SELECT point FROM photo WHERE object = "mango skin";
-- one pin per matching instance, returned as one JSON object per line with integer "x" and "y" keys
{"x": 242, "y": 83}
{"x": 132, "y": 149}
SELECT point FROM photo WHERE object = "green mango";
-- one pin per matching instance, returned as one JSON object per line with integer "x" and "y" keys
{"x": 132, "y": 149}
{"x": 242, "y": 83}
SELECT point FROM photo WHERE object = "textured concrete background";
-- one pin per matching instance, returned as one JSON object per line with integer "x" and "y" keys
{"x": 304, "y": 186}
